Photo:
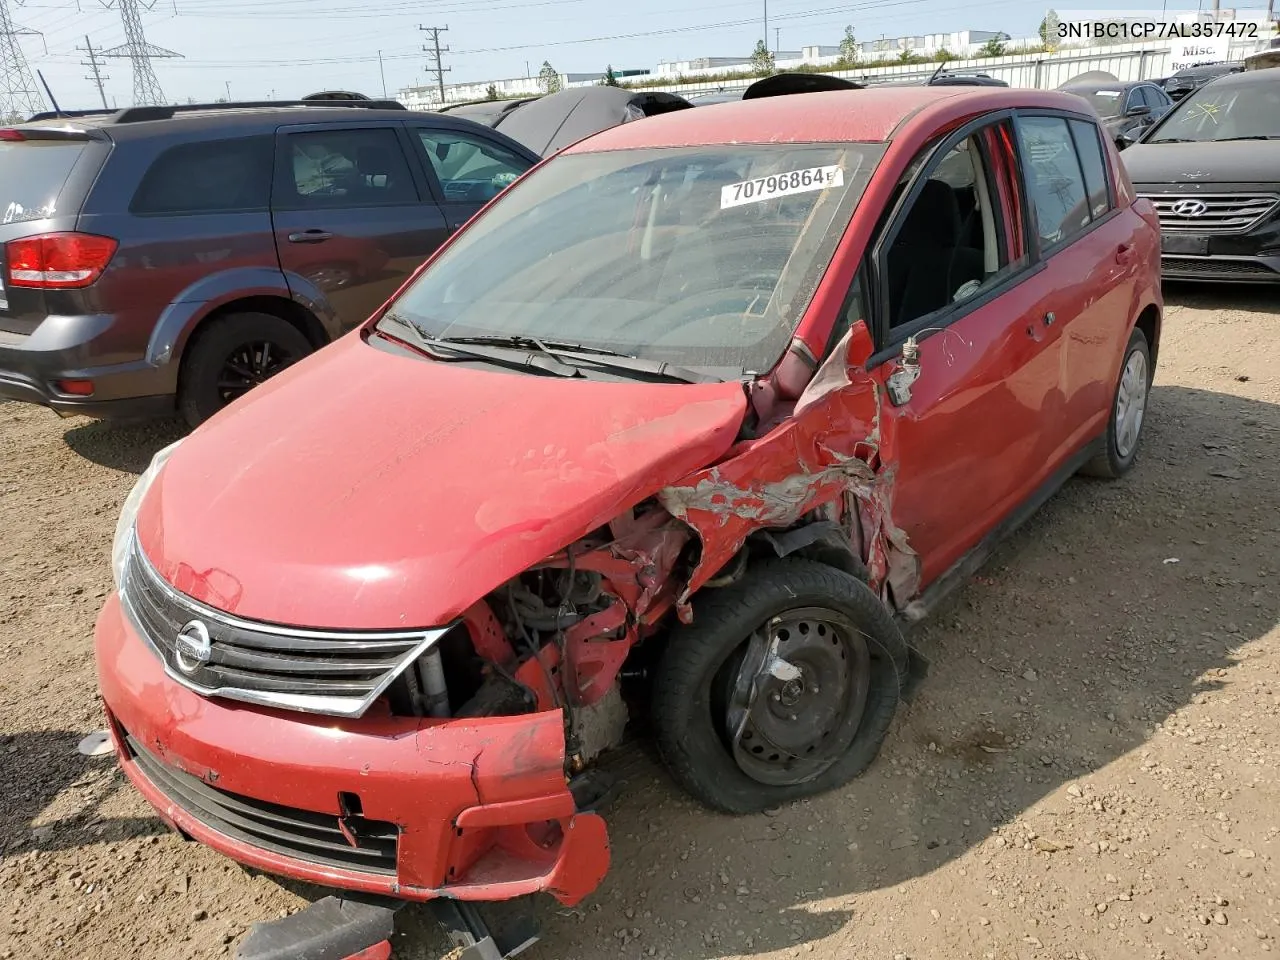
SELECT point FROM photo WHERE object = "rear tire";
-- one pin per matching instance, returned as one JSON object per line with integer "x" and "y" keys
{"x": 818, "y": 732}
{"x": 1128, "y": 413}
{"x": 230, "y": 356}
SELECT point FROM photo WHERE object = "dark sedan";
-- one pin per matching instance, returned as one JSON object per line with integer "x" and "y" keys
{"x": 1126, "y": 109}
{"x": 1212, "y": 169}
{"x": 1193, "y": 78}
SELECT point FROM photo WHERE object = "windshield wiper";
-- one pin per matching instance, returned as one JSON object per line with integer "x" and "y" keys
{"x": 1174, "y": 140}
{"x": 453, "y": 347}
{"x": 599, "y": 356}
{"x": 1255, "y": 136}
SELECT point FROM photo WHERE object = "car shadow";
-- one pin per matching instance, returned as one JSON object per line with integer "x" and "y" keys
{"x": 123, "y": 445}
{"x": 1259, "y": 298}
{"x": 1076, "y": 640}
{"x": 1064, "y": 653}
{"x": 61, "y": 805}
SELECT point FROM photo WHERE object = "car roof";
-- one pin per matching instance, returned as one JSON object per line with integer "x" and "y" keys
{"x": 211, "y": 119}
{"x": 871, "y": 115}
{"x": 1093, "y": 86}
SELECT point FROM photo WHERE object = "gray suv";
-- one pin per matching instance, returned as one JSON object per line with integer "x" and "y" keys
{"x": 167, "y": 259}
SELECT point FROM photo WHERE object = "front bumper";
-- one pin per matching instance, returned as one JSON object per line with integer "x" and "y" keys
{"x": 470, "y": 810}
{"x": 1221, "y": 269}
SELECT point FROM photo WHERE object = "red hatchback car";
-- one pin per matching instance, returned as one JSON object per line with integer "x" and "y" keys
{"x": 724, "y": 398}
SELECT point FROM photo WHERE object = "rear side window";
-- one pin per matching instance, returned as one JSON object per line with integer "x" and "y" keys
{"x": 346, "y": 168}
{"x": 1089, "y": 149}
{"x": 1055, "y": 182}
{"x": 32, "y": 175}
{"x": 212, "y": 176}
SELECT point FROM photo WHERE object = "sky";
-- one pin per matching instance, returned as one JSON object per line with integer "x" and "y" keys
{"x": 260, "y": 49}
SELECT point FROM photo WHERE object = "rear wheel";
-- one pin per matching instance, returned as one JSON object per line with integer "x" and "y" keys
{"x": 784, "y": 686}
{"x": 1128, "y": 412}
{"x": 231, "y": 356}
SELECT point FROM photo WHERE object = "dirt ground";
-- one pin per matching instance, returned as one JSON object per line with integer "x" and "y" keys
{"x": 1090, "y": 770}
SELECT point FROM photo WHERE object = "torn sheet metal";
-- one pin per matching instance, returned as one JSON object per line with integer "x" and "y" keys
{"x": 829, "y": 453}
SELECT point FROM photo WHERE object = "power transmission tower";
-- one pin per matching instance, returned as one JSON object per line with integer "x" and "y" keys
{"x": 146, "y": 88}
{"x": 435, "y": 51}
{"x": 19, "y": 96}
{"x": 98, "y": 76}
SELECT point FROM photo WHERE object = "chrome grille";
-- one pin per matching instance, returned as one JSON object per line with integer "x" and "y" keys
{"x": 366, "y": 845}
{"x": 1212, "y": 213}
{"x": 337, "y": 673}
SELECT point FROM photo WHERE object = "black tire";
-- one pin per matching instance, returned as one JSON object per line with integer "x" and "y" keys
{"x": 202, "y": 392}
{"x": 1114, "y": 463}
{"x": 690, "y": 735}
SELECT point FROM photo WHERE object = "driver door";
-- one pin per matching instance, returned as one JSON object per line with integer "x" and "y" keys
{"x": 973, "y": 438}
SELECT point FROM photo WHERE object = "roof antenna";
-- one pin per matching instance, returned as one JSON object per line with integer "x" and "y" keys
{"x": 56, "y": 109}
{"x": 935, "y": 73}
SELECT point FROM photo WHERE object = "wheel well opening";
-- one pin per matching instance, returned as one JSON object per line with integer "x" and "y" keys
{"x": 302, "y": 319}
{"x": 1149, "y": 324}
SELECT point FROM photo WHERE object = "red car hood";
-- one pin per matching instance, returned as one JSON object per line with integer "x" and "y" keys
{"x": 363, "y": 489}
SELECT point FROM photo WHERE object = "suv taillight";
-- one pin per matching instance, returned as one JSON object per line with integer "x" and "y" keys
{"x": 58, "y": 260}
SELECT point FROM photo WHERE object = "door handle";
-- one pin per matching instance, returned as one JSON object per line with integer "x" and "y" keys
{"x": 310, "y": 236}
{"x": 1124, "y": 253}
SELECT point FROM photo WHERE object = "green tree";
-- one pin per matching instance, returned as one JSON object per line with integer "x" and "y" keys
{"x": 549, "y": 78}
{"x": 906, "y": 56}
{"x": 1049, "y": 29}
{"x": 609, "y": 79}
{"x": 992, "y": 48}
{"x": 848, "y": 46}
{"x": 943, "y": 55}
{"x": 491, "y": 92}
{"x": 762, "y": 63}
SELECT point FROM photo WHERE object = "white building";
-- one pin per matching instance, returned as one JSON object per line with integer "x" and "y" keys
{"x": 427, "y": 97}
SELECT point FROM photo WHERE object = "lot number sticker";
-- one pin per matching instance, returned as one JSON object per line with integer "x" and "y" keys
{"x": 780, "y": 185}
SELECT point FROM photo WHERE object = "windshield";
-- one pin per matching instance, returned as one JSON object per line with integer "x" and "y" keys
{"x": 1217, "y": 112}
{"x": 702, "y": 256}
{"x": 1105, "y": 102}
{"x": 32, "y": 174}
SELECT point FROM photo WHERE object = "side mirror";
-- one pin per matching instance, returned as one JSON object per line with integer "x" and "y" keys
{"x": 1141, "y": 110}
{"x": 1125, "y": 140}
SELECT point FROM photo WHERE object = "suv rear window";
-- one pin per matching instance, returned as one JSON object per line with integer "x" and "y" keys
{"x": 32, "y": 175}
{"x": 211, "y": 176}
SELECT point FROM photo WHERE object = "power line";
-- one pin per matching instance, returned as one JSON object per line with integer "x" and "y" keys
{"x": 18, "y": 94}
{"x": 146, "y": 88}
{"x": 434, "y": 50}
{"x": 97, "y": 76}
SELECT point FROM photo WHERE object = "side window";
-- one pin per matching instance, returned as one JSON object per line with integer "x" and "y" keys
{"x": 1157, "y": 98}
{"x": 213, "y": 176}
{"x": 346, "y": 168}
{"x": 949, "y": 243}
{"x": 1055, "y": 182}
{"x": 1134, "y": 99}
{"x": 1089, "y": 149}
{"x": 469, "y": 168}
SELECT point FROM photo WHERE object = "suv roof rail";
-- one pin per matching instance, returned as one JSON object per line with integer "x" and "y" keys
{"x": 67, "y": 114}
{"x": 141, "y": 114}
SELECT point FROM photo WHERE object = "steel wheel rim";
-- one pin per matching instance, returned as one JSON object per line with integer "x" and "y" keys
{"x": 249, "y": 365}
{"x": 787, "y": 729}
{"x": 1131, "y": 403}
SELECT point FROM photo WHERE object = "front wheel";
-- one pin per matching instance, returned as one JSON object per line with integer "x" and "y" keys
{"x": 783, "y": 687}
{"x": 1128, "y": 412}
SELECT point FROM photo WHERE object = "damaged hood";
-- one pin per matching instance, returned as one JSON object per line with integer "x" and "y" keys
{"x": 366, "y": 489}
{"x": 1204, "y": 165}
